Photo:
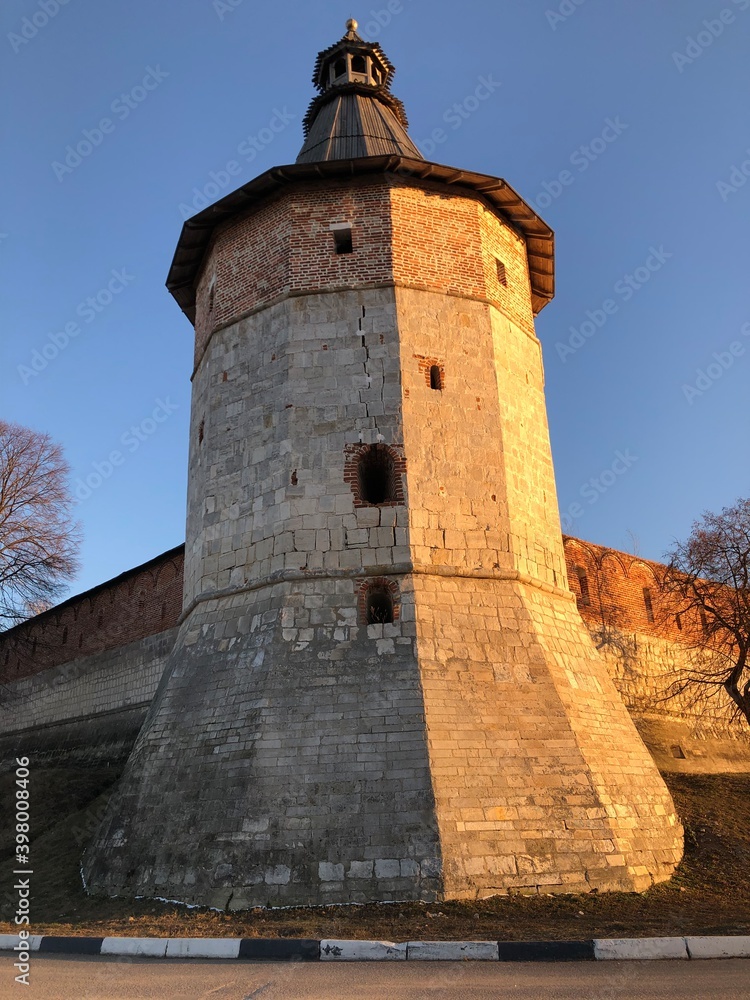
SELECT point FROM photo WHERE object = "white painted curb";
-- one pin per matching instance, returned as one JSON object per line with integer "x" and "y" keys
{"x": 149, "y": 947}
{"x": 203, "y": 947}
{"x": 362, "y": 951}
{"x": 640, "y": 948}
{"x": 453, "y": 951}
{"x": 621, "y": 949}
{"x": 718, "y": 947}
{"x": 8, "y": 942}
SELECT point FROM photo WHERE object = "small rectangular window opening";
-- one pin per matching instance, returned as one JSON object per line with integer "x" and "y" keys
{"x": 648, "y": 603}
{"x": 502, "y": 276}
{"x": 583, "y": 581}
{"x": 342, "y": 240}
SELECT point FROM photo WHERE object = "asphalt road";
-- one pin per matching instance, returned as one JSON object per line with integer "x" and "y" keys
{"x": 55, "y": 978}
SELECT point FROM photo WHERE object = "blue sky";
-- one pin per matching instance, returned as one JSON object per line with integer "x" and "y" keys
{"x": 626, "y": 124}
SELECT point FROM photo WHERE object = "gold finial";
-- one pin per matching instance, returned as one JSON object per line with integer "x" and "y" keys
{"x": 352, "y": 25}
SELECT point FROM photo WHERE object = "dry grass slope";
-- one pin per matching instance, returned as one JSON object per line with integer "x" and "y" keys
{"x": 710, "y": 892}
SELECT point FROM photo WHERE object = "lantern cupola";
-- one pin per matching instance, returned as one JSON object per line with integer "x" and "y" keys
{"x": 355, "y": 114}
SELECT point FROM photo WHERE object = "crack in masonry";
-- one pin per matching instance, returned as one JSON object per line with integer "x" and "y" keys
{"x": 368, "y": 379}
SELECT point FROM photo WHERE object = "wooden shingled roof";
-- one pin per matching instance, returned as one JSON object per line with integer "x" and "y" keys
{"x": 355, "y": 114}
{"x": 353, "y": 123}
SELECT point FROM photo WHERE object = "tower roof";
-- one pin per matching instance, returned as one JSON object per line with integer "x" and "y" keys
{"x": 355, "y": 114}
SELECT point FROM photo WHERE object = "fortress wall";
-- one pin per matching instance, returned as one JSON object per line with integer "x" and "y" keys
{"x": 683, "y": 735}
{"x": 689, "y": 732}
{"x": 86, "y": 710}
{"x": 142, "y": 602}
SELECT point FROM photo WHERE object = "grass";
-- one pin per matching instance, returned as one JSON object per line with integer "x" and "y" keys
{"x": 709, "y": 894}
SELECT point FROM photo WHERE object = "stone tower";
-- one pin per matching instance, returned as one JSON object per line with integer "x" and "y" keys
{"x": 382, "y": 688}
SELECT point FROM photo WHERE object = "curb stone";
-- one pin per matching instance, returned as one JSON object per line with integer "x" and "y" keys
{"x": 203, "y": 947}
{"x": 641, "y": 949}
{"x": 279, "y": 950}
{"x": 547, "y": 951}
{"x": 362, "y": 951}
{"x": 135, "y": 947}
{"x": 9, "y": 941}
{"x": 452, "y": 951}
{"x": 718, "y": 947}
{"x": 290, "y": 950}
{"x": 71, "y": 945}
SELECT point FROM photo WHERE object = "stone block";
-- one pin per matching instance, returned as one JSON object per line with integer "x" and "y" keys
{"x": 328, "y": 872}
{"x": 387, "y": 868}
{"x": 9, "y": 941}
{"x": 360, "y": 869}
{"x": 279, "y": 875}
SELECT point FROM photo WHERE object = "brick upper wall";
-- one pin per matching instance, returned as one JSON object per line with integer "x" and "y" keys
{"x": 452, "y": 242}
{"x": 286, "y": 246}
{"x": 142, "y": 602}
{"x": 419, "y": 234}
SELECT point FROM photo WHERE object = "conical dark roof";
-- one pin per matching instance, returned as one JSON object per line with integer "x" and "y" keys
{"x": 355, "y": 114}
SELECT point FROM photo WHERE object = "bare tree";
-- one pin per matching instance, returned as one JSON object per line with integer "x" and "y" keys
{"x": 39, "y": 537}
{"x": 707, "y": 584}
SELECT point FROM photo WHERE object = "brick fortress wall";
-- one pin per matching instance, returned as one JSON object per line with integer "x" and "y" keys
{"x": 644, "y": 647}
{"x": 141, "y": 602}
